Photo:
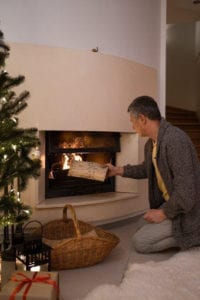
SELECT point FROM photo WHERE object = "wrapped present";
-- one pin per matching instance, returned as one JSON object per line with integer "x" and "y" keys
{"x": 31, "y": 286}
{"x": 7, "y": 269}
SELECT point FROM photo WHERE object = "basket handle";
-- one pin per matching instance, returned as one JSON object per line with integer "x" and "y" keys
{"x": 74, "y": 218}
{"x": 36, "y": 233}
{"x": 33, "y": 221}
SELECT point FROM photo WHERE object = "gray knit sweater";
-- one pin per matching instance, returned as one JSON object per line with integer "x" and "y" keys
{"x": 180, "y": 169}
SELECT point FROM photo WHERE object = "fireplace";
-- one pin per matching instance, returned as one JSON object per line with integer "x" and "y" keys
{"x": 64, "y": 146}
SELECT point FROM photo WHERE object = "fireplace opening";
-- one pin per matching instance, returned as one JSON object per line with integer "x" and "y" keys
{"x": 64, "y": 146}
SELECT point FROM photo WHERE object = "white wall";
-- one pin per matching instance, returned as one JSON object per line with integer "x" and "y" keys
{"x": 197, "y": 61}
{"x": 131, "y": 29}
{"x": 182, "y": 81}
{"x": 162, "y": 58}
{"x": 125, "y": 28}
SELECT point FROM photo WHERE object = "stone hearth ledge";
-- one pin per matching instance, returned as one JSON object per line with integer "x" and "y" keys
{"x": 84, "y": 200}
{"x": 98, "y": 209}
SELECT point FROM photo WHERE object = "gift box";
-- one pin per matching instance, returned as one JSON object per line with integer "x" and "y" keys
{"x": 31, "y": 286}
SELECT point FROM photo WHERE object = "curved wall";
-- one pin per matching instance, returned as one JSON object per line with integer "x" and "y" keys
{"x": 124, "y": 28}
{"x": 74, "y": 88}
{"x": 77, "y": 89}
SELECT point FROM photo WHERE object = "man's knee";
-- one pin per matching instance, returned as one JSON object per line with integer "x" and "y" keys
{"x": 140, "y": 244}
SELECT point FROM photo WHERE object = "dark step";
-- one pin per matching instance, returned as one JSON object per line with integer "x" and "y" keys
{"x": 187, "y": 126}
{"x": 197, "y": 144}
{"x": 197, "y": 149}
{"x": 194, "y": 134}
{"x": 187, "y": 121}
{"x": 176, "y": 110}
{"x": 195, "y": 141}
{"x": 182, "y": 119}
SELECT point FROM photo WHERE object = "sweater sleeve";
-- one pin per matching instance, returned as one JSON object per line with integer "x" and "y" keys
{"x": 136, "y": 171}
{"x": 181, "y": 159}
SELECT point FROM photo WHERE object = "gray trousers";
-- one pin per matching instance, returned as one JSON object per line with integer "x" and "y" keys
{"x": 154, "y": 237}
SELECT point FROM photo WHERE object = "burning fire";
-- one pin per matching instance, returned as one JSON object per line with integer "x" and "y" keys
{"x": 67, "y": 160}
{"x": 64, "y": 164}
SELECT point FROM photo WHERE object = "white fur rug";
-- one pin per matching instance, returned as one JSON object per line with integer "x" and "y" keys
{"x": 177, "y": 278}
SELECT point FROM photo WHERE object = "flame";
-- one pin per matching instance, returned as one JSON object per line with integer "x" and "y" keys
{"x": 66, "y": 165}
{"x": 67, "y": 160}
{"x": 77, "y": 157}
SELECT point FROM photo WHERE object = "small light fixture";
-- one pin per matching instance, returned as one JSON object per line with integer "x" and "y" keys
{"x": 95, "y": 49}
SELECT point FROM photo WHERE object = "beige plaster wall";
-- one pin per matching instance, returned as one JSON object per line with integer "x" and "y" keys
{"x": 82, "y": 90}
{"x": 79, "y": 90}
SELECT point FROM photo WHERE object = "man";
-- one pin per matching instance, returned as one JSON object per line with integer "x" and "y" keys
{"x": 173, "y": 171}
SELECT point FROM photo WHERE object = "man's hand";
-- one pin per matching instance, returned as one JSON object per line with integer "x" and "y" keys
{"x": 155, "y": 216}
{"x": 113, "y": 170}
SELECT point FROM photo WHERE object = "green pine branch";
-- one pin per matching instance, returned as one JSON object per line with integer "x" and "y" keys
{"x": 16, "y": 145}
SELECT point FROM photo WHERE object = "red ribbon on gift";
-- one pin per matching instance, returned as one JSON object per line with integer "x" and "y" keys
{"x": 25, "y": 280}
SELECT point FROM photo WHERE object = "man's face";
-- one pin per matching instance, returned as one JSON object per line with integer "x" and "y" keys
{"x": 138, "y": 123}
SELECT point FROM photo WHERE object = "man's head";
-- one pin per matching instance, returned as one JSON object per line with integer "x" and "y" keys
{"x": 144, "y": 115}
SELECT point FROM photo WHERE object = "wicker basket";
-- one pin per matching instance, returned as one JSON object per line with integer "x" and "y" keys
{"x": 79, "y": 249}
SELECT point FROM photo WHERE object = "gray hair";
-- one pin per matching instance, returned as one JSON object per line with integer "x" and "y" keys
{"x": 146, "y": 106}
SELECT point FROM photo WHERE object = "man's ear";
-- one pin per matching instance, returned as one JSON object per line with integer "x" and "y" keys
{"x": 143, "y": 118}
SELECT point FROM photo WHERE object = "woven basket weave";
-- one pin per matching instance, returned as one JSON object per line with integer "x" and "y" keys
{"x": 78, "y": 250}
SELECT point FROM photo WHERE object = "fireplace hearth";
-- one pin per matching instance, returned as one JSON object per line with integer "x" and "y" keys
{"x": 62, "y": 147}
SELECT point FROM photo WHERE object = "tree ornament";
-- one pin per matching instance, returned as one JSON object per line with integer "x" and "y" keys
{"x": 35, "y": 153}
{"x": 3, "y": 100}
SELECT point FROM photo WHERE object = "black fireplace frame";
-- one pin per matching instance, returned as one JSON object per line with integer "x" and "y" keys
{"x": 56, "y": 189}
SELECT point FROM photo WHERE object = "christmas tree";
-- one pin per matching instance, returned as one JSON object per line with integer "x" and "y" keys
{"x": 17, "y": 145}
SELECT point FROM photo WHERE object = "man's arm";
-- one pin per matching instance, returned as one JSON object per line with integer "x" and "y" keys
{"x": 129, "y": 171}
{"x": 114, "y": 171}
{"x": 136, "y": 171}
